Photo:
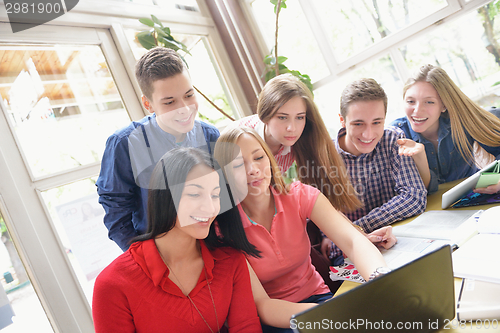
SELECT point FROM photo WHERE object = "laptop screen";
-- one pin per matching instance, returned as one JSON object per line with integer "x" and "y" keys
{"x": 418, "y": 296}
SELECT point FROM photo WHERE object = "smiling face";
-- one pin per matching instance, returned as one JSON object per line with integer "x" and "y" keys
{"x": 174, "y": 102}
{"x": 254, "y": 161}
{"x": 199, "y": 203}
{"x": 364, "y": 124}
{"x": 287, "y": 124}
{"x": 423, "y": 108}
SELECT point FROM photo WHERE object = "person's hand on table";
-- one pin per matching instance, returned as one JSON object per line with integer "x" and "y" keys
{"x": 383, "y": 237}
{"x": 492, "y": 189}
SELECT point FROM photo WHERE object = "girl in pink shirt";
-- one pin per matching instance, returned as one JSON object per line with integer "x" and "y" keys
{"x": 274, "y": 216}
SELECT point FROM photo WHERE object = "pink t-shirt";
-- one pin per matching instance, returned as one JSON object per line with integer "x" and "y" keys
{"x": 284, "y": 157}
{"x": 285, "y": 269}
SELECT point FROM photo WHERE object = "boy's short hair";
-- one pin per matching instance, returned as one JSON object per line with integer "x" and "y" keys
{"x": 157, "y": 64}
{"x": 361, "y": 90}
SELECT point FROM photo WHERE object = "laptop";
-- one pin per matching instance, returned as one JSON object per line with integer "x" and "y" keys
{"x": 416, "y": 297}
{"x": 461, "y": 195}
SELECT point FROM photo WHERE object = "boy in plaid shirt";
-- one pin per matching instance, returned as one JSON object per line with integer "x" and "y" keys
{"x": 388, "y": 185}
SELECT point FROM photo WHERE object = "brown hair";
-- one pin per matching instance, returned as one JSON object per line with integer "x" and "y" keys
{"x": 361, "y": 90}
{"x": 224, "y": 156}
{"x": 314, "y": 151}
{"x": 466, "y": 117}
{"x": 157, "y": 64}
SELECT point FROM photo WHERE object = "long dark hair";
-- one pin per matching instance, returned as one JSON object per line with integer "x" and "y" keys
{"x": 164, "y": 196}
{"x": 318, "y": 162}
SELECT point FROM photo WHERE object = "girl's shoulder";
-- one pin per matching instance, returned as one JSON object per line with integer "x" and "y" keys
{"x": 118, "y": 270}
{"x": 250, "y": 121}
{"x": 298, "y": 191}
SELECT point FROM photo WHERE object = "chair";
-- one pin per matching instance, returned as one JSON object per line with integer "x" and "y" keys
{"x": 321, "y": 264}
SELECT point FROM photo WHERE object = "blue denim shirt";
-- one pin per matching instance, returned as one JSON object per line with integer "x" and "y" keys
{"x": 128, "y": 160}
{"x": 447, "y": 164}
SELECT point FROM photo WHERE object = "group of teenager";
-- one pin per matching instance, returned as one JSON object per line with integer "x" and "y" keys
{"x": 215, "y": 240}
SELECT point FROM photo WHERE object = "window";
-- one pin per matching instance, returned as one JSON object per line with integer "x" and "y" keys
{"x": 385, "y": 40}
{"x": 205, "y": 75}
{"x": 353, "y": 26}
{"x": 19, "y": 304}
{"x": 61, "y": 99}
{"x": 296, "y": 39}
{"x": 327, "y": 97}
{"x": 62, "y": 103}
{"x": 78, "y": 219}
{"x": 464, "y": 49}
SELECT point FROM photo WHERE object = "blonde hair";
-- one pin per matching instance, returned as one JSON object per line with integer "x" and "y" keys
{"x": 224, "y": 156}
{"x": 466, "y": 117}
{"x": 314, "y": 146}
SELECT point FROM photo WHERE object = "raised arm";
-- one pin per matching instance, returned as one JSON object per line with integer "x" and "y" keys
{"x": 273, "y": 312}
{"x": 416, "y": 151}
{"x": 353, "y": 243}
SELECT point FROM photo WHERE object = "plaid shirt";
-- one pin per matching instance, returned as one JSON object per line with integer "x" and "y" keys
{"x": 284, "y": 157}
{"x": 388, "y": 184}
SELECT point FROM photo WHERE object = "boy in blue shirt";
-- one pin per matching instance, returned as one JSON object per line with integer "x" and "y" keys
{"x": 132, "y": 152}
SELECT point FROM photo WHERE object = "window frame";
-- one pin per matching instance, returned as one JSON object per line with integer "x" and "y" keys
{"x": 389, "y": 44}
{"x": 27, "y": 218}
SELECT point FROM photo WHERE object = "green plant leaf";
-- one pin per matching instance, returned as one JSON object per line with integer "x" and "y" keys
{"x": 282, "y": 59}
{"x": 155, "y": 20}
{"x": 180, "y": 45}
{"x": 496, "y": 84}
{"x": 147, "y": 22}
{"x": 169, "y": 44}
{"x": 269, "y": 60}
{"x": 282, "y": 67}
{"x": 187, "y": 66}
{"x": 160, "y": 31}
{"x": 269, "y": 75}
{"x": 275, "y": 3}
{"x": 171, "y": 41}
{"x": 146, "y": 39}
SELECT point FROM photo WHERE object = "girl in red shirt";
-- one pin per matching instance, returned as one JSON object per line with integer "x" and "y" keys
{"x": 169, "y": 280}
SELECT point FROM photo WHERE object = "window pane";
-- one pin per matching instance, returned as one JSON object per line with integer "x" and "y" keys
{"x": 468, "y": 51}
{"x": 20, "y": 308}
{"x": 382, "y": 70}
{"x": 62, "y": 102}
{"x": 352, "y": 26}
{"x": 295, "y": 39}
{"x": 78, "y": 220}
{"x": 203, "y": 74}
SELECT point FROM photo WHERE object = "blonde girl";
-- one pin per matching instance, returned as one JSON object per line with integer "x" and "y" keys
{"x": 442, "y": 125}
{"x": 274, "y": 217}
